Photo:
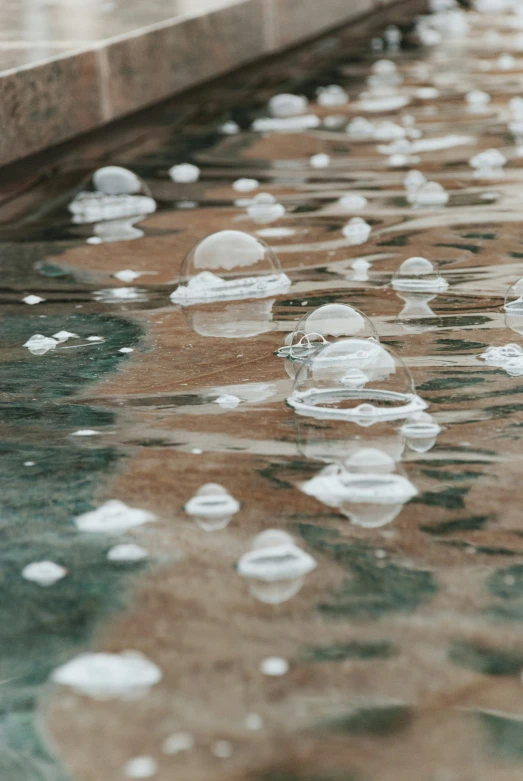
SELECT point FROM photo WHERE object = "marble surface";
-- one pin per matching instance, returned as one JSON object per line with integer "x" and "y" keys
{"x": 68, "y": 66}
{"x": 405, "y": 643}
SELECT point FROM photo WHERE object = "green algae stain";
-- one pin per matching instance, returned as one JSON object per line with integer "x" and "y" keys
{"x": 472, "y": 523}
{"x": 385, "y": 720}
{"x": 484, "y": 660}
{"x": 40, "y": 628}
{"x": 347, "y": 651}
{"x": 373, "y": 589}
{"x": 505, "y": 735}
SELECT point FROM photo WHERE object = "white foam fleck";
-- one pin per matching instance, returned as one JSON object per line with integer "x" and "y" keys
{"x": 274, "y": 666}
{"x": 180, "y": 741}
{"x": 127, "y": 552}
{"x": 63, "y": 336}
{"x": 106, "y": 676}
{"x": 244, "y": 185}
{"x": 253, "y": 721}
{"x": 85, "y": 432}
{"x": 116, "y": 294}
{"x": 126, "y": 350}
{"x": 45, "y": 573}
{"x": 127, "y": 275}
{"x": 227, "y": 401}
{"x": 207, "y": 286}
{"x": 141, "y": 767}
{"x": 320, "y": 160}
{"x": 32, "y": 300}
{"x": 113, "y": 517}
{"x": 40, "y": 344}
{"x": 184, "y": 173}
{"x": 95, "y": 338}
{"x": 222, "y": 749}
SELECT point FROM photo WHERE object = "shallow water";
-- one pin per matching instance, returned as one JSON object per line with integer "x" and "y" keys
{"x": 404, "y": 643}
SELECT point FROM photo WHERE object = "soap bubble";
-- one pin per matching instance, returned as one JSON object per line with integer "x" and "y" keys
{"x": 373, "y": 494}
{"x": 420, "y": 432}
{"x": 356, "y": 231}
{"x": 514, "y": 307}
{"x": 506, "y": 62}
{"x": 286, "y": 105}
{"x": 477, "y": 101}
{"x": 352, "y": 202}
{"x": 212, "y": 507}
{"x": 324, "y": 324}
{"x": 393, "y": 37}
{"x": 264, "y": 208}
{"x": 333, "y": 95}
{"x": 417, "y": 282}
{"x": 488, "y": 164}
{"x": 226, "y": 266}
{"x": 184, "y": 173}
{"x": 360, "y": 268}
{"x": 430, "y": 194}
{"x": 355, "y": 379}
{"x": 275, "y": 567}
{"x": 360, "y": 129}
{"x": 320, "y": 160}
{"x": 412, "y": 182}
{"x": 388, "y": 131}
{"x": 116, "y": 199}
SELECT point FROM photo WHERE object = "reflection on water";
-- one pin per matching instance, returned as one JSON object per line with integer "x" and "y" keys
{"x": 299, "y": 572}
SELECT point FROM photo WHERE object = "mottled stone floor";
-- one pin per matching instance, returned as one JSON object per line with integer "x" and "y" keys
{"x": 405, "y": 644}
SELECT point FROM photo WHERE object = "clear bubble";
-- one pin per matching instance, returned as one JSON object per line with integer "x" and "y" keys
{"x": 184, "y": 173}
{"x": 352, "y": 202}
{"x": 333, "y": 95}
{"x": 324, "y": 324}
{"x": 275, "y": 567}
{"x": 420, "y": 432}
{"x": 477, "y": 101}
{"x": 115, "y": 200}
{"x": 514, "y": 307}
{"x": 360, "y": 129}
{"x": 393, "y": 37}
{"x": 212, "y": 507}
{"x": 488, "y": 164}
{"x": 287, "y": 105}
{"x": 367, "y": 488}
{"x": 355, "y": 379}
{"x": 430, "y": 194}
{"x": 356, "y": 231}
{"x": 418, "y": 275}
{"x": 320, "y": 160}
{"x": 229, "y": 265}
{"x": 264, "y": 208}
{"x": 417, "y": 283}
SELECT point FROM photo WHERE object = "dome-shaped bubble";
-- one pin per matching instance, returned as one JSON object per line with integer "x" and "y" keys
{"x": 360, "y": 129}
{"x": 229, "y": 265}
{"x": 324, "y": 324}
{"x": 287, "y": 105}
{"x": 420, "y": 432}
{"x": 413, "y": 181}
{"x": 114, "y": 200}
{"x": 488, "y": 164}
{"x": 275, "y": 567}
{"x": 114, "y": 180}
{"x": 514, "y": 307}
{"x": 371, "y": 493}
{"x": 418, "y": 275}
{"x": 429, "y": 194}
{"x": 477, "y": 100}
{"x": 333, "y": 95}
{"x": 355, "y": 379}
{"x": 264, "y": 208}
{"x": 212, "y": 507}
{"x": 356, "y": 231}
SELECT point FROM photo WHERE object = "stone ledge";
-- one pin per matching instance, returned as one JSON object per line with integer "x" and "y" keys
{"x": 67, "y": 69}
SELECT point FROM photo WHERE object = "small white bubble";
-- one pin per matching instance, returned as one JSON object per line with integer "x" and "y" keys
{"x": 45, "y": 573}
{"x": 126, "y": 350}
{"x": 253, "y": 721}
{"x": 29, "y": 463}
{"x": 274, "y": 666}
{"x": 196, "y": 451}
{"x": 95, "y": 338}
{"x": 222, "y": 749}
{"x": 180, "y": 741}
{"x": 85, "y": 432}
{"x": 32, "y": 300}
{"x": 141, "y": 767}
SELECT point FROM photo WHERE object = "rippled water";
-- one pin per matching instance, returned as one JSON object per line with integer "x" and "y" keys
{"x": 395, "y": 637}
